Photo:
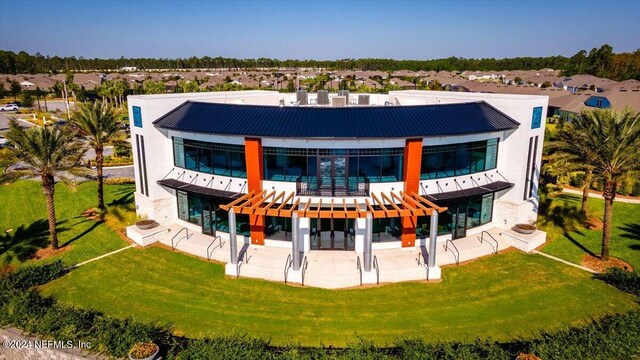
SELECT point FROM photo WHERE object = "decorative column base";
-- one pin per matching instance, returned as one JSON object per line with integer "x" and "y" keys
{"x": 434, "y": 273}
{"x": 294, "y": 276}
{"x": 231, "y": 269}
{"x": 369, "y": 277}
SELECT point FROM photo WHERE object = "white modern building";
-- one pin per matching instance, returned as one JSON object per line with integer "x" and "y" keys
{"x": 351, "y": 172}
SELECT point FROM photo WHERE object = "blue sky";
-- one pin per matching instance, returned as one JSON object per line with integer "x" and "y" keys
{"x": 317, "y": 29}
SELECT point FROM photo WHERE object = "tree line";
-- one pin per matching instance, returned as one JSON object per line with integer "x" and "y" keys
{"x": 600, "y": 62}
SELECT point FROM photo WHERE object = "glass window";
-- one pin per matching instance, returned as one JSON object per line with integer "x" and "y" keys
{"x": 478, "y": 155}
{"x": 474, "y": 206}
{"x": 178, "y": 152}
{"x": 391, "y": 167}
{"x": 191, "y": 158}
{"x": 238, "y": 165}
{"x": 458, "y": 159}
{"x": 221, "y": 163}
{"x": 195, "y": 209}
{"x": 429, "y": 166}
{"x": 274, "y": 167}
{"x": 296, "y": 167}
{"x": 219, "y": 159}
{"x": 204, "y": 160}
{"x": 487, "y": 209}
{"x": 370, "y": 167}
{"x": 492, "y": 154}
{"x": 183, "y": 206}
{"x": 447, "y": 164}
{"x": 463, "y": 159}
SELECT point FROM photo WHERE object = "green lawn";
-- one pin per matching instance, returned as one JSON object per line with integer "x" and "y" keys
{"x": 570, "y": 240}
{"x": 23, "y": 209}
{"x": 502, "y": 296}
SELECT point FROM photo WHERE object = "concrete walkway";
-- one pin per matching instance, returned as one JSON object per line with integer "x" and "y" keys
{"x": 330, "y": 269}
{"x": 564, "y": 262}
{"x": 102, "y": 256}
{"x": 599, "y": 196}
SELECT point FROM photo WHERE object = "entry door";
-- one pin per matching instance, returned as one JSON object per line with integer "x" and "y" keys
{"x": 208, "y": 217}
{"x": 332, "y": 234}
{"x": 332, "y": 173}
{"x": 459, "y": 222}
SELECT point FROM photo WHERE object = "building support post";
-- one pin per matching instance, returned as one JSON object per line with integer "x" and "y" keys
{"x": 232, "y": 266}
{"x": 433, "y": 270}
{"x": 295, "y": 241}
{"x": 368, "y": 235}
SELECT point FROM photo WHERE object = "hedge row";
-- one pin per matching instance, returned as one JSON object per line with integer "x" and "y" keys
{"x": 22, "y": 306}
{"x": 622, "y": 279}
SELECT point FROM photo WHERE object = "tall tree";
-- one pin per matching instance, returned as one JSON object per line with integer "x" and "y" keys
{"x": 613, "y": 140}
{"x": 97, "y": 122}
{"x": 48, "y": 150}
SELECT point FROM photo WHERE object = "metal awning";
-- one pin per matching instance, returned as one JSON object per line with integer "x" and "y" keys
{"x": 180, "y": 185}
{"x": 283, "y": 204}
{"x": 474, "y": 191}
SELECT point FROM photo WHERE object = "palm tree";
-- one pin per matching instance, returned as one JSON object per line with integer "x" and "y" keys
{"x": 97, "y": 122}
{"x": 613, "y": 140}
{"x": 49, "y": 151}
{"x": 568, "y": 156}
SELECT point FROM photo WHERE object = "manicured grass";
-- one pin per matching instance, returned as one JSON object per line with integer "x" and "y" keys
{"x": 23, "y": 209}
{"x": 502, "y": 296}
{"x": 570, "y": 240}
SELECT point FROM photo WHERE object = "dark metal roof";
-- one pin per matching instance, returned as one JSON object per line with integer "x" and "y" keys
{"x": 179, "y": 185}
{"x": 479, "y": 190}
{"x": 328, "y": 122}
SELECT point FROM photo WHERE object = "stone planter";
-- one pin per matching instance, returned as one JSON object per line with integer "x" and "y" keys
{"x": 146, "y": 224}
{"x": 150, "y": 357}
{"x": 525, "y": 228}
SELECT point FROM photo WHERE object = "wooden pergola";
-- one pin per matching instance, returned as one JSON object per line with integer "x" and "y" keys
{"x": 381, "y": 205}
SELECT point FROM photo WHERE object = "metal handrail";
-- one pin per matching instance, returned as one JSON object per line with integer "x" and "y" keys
{"x": 446, "y": 248}
{"x": 377, "y": 267}
{"x": 421, "y": 255}
{"x": 178, "y": 233}
{"x": 240, "y": 262}
{"x": 305, "y": 263}
{"x": 359, "y": 267}
{"x": 287, "y": 265}
{"x": 212, "y": 241}
{"x": 492, "y": 238}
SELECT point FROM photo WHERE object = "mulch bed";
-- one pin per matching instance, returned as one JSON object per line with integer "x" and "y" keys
{"x": 596, "y": 264}
{"x": 92, "y": 214}
{"x": 594, "y": 223}
{"x": 49, "y": 252}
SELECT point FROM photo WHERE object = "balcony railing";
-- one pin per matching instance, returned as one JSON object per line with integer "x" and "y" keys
{"x": 360, "y": 188}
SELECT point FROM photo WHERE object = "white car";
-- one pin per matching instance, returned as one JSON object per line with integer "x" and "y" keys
{"x": 9, "y": 107}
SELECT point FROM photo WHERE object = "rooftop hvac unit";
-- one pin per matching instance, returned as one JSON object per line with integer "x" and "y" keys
{"x": 344, "y": 93}
{"x": 339, "y": 101}
{"x": 302, "y": 97}
{"x": 363, "y": 99}
{"x": 323, "y": 97}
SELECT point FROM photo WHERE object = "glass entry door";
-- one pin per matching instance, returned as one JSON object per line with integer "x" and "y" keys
{"x": 332, "y": 174}
{"x": 459, "y": 221}
{"x": 332, "y": 234}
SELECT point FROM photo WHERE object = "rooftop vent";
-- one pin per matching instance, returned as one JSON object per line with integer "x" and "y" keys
{"x": 323, "y": 97}
{"x": 363, "y": 99}
{"x": 339, "y": 101}
{"x": 302, "y": 97}
{"x": 344, "y": 93}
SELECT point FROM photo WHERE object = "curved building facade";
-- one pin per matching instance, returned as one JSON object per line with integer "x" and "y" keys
{"x": 351, "y": 172}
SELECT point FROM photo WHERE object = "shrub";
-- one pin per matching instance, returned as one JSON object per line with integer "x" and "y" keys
{"x": 624, "y": 280}
{"x": 31, "y": 276}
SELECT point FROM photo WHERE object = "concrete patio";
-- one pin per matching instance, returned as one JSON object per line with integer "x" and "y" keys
{"x": 332, "y": 269}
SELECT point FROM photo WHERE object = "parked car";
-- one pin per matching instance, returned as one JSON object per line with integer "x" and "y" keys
{"x": 9, "y": 107}
{"x": 3, "y": 142}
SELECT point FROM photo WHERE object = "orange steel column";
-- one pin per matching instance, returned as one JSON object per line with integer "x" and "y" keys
{"x": 411, "y": 173}
{"x": 254, "y": 160}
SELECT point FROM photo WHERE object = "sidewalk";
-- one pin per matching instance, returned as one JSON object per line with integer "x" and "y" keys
{"x": 599, "y": 196}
